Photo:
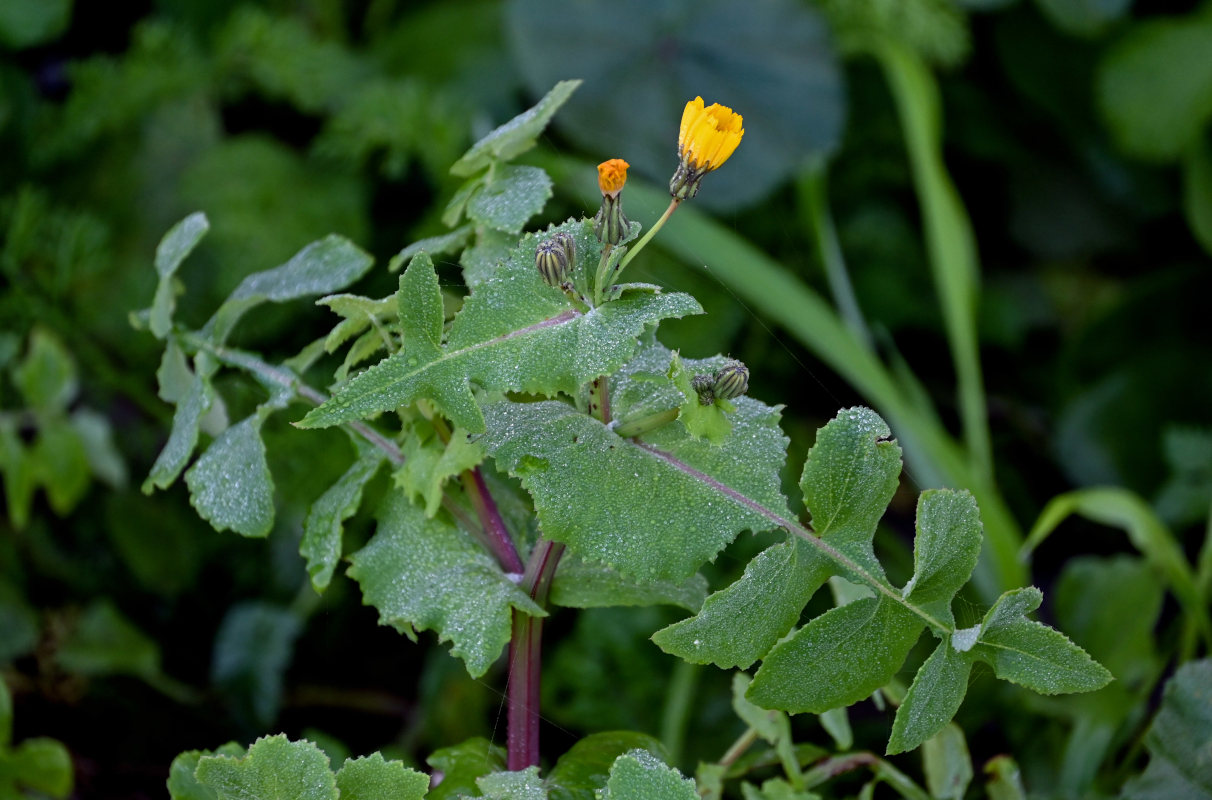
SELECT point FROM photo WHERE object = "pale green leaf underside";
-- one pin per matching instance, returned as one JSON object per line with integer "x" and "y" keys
{"x": 639, "y": 775}
{"x": 321, "y": 268}
{"x": 654, "y": 510}
{"x": 768, "y": 597}
{"x": 273, "y": 769}
{"x": 373, "y": 778}
{"x": 426, "y": 574}
{"x": 321, "y": 542}
{"x": 173, "y": 249}
{"x": 579, "y": 584}
{"x": 514, "y": 333}
{"x": 516, "y": 136}
{"x": 230, "y": 485}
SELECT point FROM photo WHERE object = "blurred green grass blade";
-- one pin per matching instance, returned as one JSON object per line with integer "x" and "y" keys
{"x": 949, "y": 238}
{"x": 770, "y": 291}
{"x": 1120, "y": 508}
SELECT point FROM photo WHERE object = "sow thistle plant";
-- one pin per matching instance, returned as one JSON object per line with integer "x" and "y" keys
{"x": 546, "y": 450}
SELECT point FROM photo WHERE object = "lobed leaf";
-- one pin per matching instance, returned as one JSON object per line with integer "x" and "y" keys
{"x": 272, "y": 769}
{"x": 373, "y": 778}
{"x": 1040, "y": 658}
{"x": 426, "y": 574}
{"x": 184, "y": 436}
{"x": 183, "y": 784}
{"x": 639, "y": 775}
{"x": 653, "y": 510}
{"x": 514, "y": 333}
{"x": 230, "y": 485}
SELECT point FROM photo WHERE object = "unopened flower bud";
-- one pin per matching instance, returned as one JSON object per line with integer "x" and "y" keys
{"x": 610, "y": 225}
{"x": 703, "y": 385}
{"x": 569, "y": 245}
{"x": 731, "y": 380}
{"x": 551, "y": 259}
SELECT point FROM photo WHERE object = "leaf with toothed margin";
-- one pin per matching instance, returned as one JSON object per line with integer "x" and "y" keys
{"x": 654, "y": 508}
{"x": 321, "y": 542}
{"x": 514, "y": 333}
{"x": 427, "y": 574}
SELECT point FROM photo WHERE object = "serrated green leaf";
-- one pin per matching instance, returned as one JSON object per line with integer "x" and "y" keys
{"x": 945, "y": 550}
{"x": 429, "y": 464}
{"x": 442, "y": 245}
{"x": 46, "y": 377}
{"x": 461, "y": 765}
{"x": 321, "y": 542}
{"x": 849, "y": 478}
{"x": 510, "y": 197}
{"x": 946, "y": 762}
{"x": 104, "y": 642}
{"x": 419, "y": 301}
{"x": 322, "y": 267}
{"x": 230, "y": 485}
{"x": 253, "y": 648}
{"x": 1032, "y": 654}
{"x": 516, "y": 136}
{"x": 173, "y": 249}
{"x": 1179, "y": 739}
{"x": 654, "y": 509}
{"x": 183, "y": 438}
{"x": 583, "y": 771}
{"x": 639, "y": 775}
{"x": 426, "y": 574}
{"x": 43, "y": 765}
{"x": 1155, "y": 86}
{"x": 481, "y": 261}
{"x": 579, "y": 584}
{"x": 514, "y": 333}
{"x": 739, "y": 624}
{"x": 519, "y": 785}
{"x": 373, "y": 778}
{"x": 182, "y": 785}
{"x": 838, "y": 658}
{"x": 933, "y": 698}
{"x": 273, "y": 769}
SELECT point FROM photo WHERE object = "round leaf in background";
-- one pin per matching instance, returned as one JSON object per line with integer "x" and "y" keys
{"x": 771, "y": 61}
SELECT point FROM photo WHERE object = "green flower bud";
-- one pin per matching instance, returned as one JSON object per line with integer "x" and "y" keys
{"x": 551, "y": 259}
{"x": 610, "y": 225}
{"x": 731, "y": 380}
{"x": 703, "y": 384}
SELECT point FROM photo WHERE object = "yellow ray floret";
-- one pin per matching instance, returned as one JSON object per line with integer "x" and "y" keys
{"x": 708, "y": 136}
{"x": 612, "y": 175}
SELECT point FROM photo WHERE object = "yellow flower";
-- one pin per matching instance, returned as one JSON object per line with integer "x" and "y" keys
{"x": 612, "y": 175}
{"x": 707, "y": 138}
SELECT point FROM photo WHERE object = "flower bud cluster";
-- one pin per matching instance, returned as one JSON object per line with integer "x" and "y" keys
{"x": 728, "y": 382}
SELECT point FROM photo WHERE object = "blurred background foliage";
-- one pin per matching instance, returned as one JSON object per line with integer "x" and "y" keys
{"x": 1078, "y": 135}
